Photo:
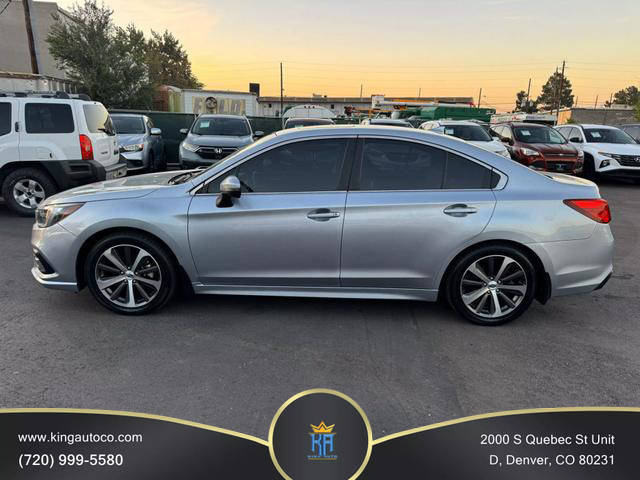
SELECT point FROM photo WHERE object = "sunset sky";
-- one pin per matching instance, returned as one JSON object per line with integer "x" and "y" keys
{"x": 396, "y": 48}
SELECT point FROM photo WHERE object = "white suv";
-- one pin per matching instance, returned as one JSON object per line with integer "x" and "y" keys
{"x": 608, "y": 151}
{"x": 51, "y": 142}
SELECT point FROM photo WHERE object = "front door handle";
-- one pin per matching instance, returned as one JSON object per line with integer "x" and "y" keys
{"x": 322, "y": 214}
{"x": 459, "y": 210}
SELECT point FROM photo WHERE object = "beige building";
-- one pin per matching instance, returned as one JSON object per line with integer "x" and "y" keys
{"x": 14, "y": 39}
{"x": 616, "y": 115}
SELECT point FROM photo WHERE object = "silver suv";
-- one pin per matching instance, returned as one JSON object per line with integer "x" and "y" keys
{"x": 338, "y": 211}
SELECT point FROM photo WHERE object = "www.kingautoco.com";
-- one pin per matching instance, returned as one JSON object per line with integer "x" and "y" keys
{"x": 74, "y": 438}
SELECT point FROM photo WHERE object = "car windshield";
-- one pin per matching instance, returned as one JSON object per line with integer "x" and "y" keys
{"x": 473, "y": 133}
{"x": 233, "y": 127}
{"x": 538, "y": 134}
{"x": 128, "y": 125}
{"x": 607, "y": 135}
{"x": 303, "y": 122}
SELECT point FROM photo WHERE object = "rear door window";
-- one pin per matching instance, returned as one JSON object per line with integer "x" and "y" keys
{"x": 5, "y": 118}
{"x": 400, "y": 165}
{"x": 403, "y": 165}
{"x": 48, "y": 118}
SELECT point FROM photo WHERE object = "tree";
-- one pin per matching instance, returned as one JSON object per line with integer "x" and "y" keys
{"x": 636, "y": 111}
{"x": 627, "y": 96}
{"x": 117, "y": 66}
{"x": 168, "y": 62}
{"x": 523, "y": 104}
{"x": 556, "y": 93}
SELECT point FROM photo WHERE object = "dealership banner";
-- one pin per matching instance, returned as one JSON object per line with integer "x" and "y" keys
{"x": 321, "y": 434}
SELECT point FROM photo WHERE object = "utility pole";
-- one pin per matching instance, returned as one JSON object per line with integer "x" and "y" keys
{"x": 419, "y": 92}
{"x": 480, "y": 97}
{"x": 561, "y": 89}
{"x": 281, "y": 93}
{"x": 360, "y": 93}
{"x": 528, "y": 92}
{"x": 611, "y": 100}
{"x": 26, "y": 5}
{"x": 596, "y": 104}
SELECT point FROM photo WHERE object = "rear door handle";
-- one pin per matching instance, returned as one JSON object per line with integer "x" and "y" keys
{"x": 322, "y": 214}
{"x": 459, "y": 210}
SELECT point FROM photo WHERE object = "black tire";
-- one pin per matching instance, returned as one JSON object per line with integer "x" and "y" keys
{"x": 152, "y": 163}
{"x": 589, "y": 169}
{"x": 122, "y": 242}
{"x": 46, "y": 187}
{"x": 489, "y": 258}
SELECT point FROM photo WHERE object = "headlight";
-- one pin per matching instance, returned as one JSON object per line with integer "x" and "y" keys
{"x": 610, "y": 155}
{"x": 136, "y": 147}
{"x": 528, "y": 152}
{"x": 191, "y": 148}
{"x": 580, "y": 154}
{"x": 52, "y": 214}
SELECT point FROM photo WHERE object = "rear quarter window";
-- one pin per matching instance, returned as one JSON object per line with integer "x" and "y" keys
{"x": 48, "y": 118}
{"x": 463, "y": 174}
{"x": 98, "y": 119}
{"x": 5, "y": 118}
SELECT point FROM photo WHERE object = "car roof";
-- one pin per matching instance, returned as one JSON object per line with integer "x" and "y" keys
{"x": 389, "y": 120}
{"x": 590, "y": 125}
{"x": 306, "y": 119}
{"x": 520, "y": 124}
{"x": 220, "y": 115}
{"x": 116, "y": 114}
{"x": 458, "y": 122}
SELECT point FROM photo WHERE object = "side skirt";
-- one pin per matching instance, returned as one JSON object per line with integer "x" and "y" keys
{"x": 320, "y": 292}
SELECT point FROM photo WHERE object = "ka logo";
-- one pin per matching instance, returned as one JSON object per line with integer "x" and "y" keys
{"x": 322, "y": 447}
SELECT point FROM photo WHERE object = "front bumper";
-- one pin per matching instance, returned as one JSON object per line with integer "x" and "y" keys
{"x": 615, "y": 171}
{"x": 135, "y": 160}
{"x": 54, "y": 257}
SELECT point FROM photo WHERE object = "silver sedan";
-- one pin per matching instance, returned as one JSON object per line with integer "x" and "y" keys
{"x": 337, "y": 211}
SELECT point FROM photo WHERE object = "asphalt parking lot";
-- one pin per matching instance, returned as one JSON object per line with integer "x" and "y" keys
{"x": 232, "y": 361}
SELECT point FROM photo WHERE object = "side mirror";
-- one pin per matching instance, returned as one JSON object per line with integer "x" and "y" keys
{"x": 184, "y": 131}
{"x": 156, "y": 131}
{"x": 230, "y": 188}
{"x": 575, "y": 140}
{"x": 258, "y": 134}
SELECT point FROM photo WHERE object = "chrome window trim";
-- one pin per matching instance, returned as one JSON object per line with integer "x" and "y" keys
{"x": 500, "y": 185}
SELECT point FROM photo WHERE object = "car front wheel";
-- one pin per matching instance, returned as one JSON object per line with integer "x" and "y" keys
{"x": 131, "y": 274}
{"x": 492, "y": 285}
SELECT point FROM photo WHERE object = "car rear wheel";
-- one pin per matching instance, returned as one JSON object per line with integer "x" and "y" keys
{"x": 24, "y": 189}
{"x": 131, "y": 274}
{"x": 492, "y": 285}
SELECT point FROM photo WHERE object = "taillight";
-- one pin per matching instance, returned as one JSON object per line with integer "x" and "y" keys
{"x": 596, "y": 209}
{"x": 86, "y": 148}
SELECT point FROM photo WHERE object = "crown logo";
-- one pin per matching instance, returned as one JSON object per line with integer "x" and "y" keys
{"x": 322, "y": 428}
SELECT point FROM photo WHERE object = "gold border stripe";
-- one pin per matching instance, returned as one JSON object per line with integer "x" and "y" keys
{"x": 137, "y": 415}
{"x": 505, "y": 413}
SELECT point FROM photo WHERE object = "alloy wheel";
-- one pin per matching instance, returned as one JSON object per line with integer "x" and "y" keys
{"x": 128, "y": 276}
{"x": 28, "y": 193}
{"x": 493, "y": 286}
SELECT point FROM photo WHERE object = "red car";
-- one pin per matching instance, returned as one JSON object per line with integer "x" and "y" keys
{"x": 539, "y": 147}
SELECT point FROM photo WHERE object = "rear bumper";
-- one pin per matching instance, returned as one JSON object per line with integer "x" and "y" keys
{"x": 578, "y": 266}
{"x": 73, "y": 173}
